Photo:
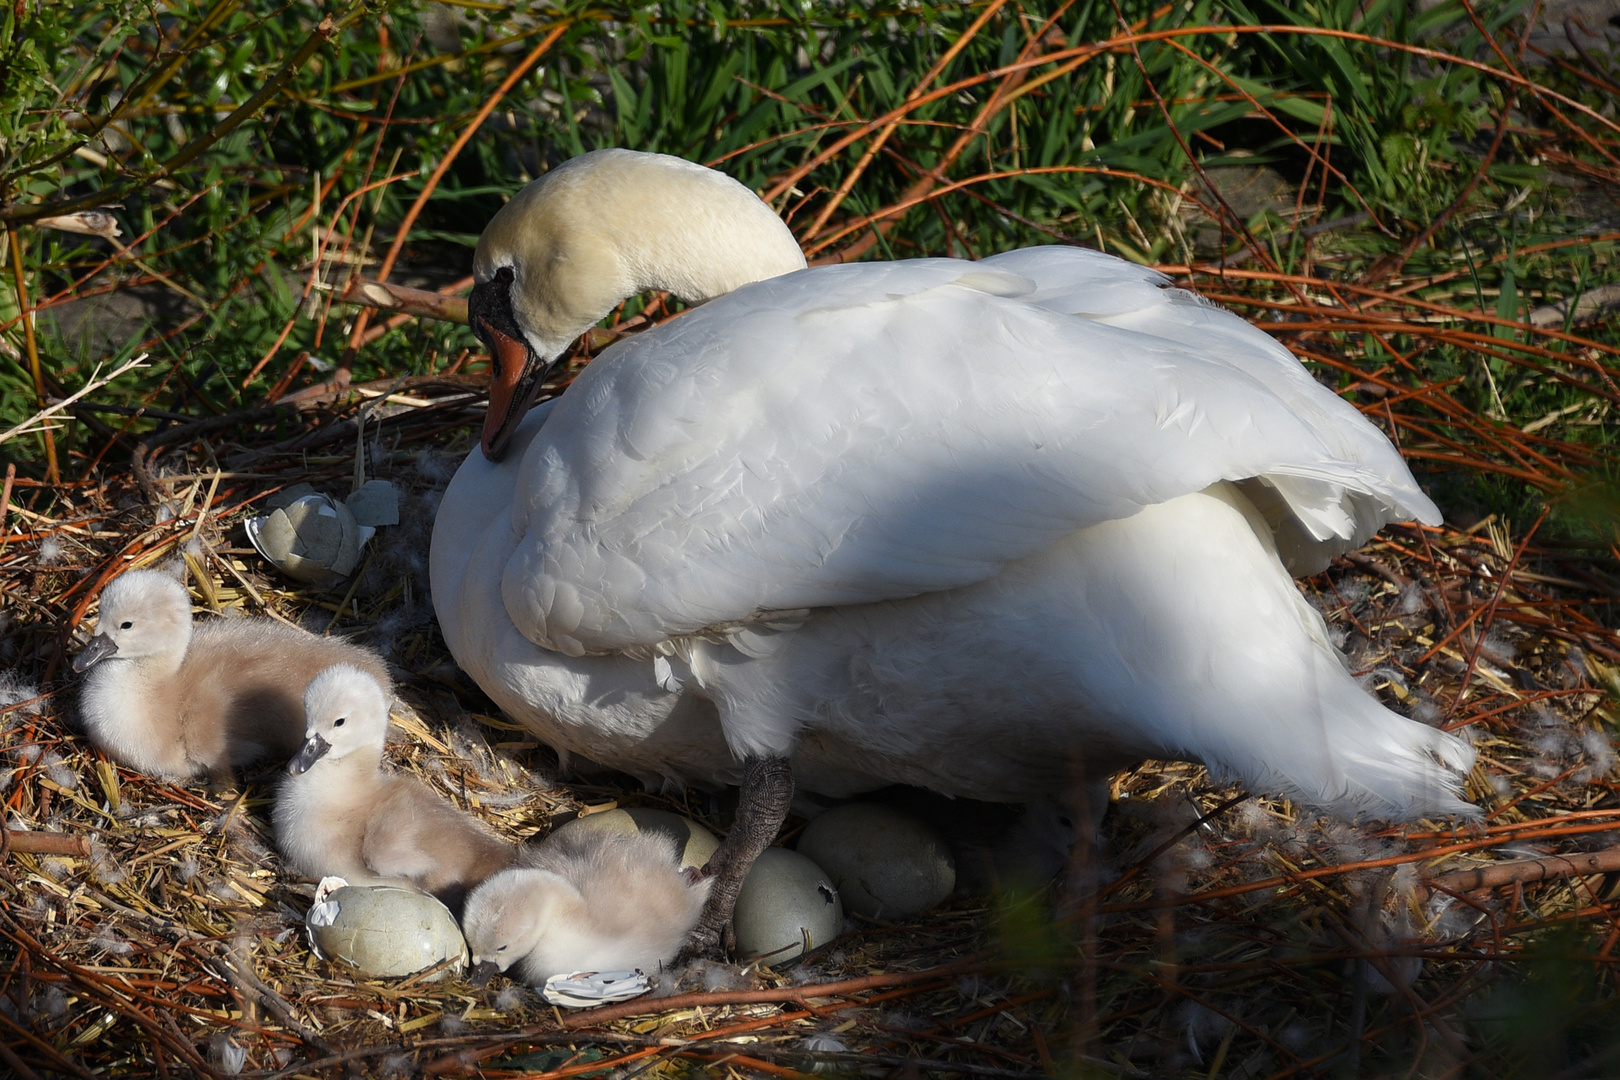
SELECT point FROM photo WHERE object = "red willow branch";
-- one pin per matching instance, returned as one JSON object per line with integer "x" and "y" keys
{"x": 797, "y": 995}
{"x": 522, "y": 68}
{"x": 1526, "y": 871}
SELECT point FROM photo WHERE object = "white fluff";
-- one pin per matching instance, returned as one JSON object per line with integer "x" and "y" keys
{"x": 14, "y": 690}
{"x": 227, "y": 1053}
{"x": 59, "y": 773}
{"x": 52, "y": 1005}
{"x": 509, "y": 999}
{"x": 103, "y": 867}
{"x": 1598, "y": 749}
{"x": 585, "y": 903}
{"x": 975, "y": 527}
{"x": 1499, "y": 647}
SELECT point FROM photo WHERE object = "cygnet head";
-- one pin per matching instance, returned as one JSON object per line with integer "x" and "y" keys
{"x": 596, "y": 229}
{"x": 143, "y": 613}
{"x": 344, "y": 711}
{"x": 509, "y": 914}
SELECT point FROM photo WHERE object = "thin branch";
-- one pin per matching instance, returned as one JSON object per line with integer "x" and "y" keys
{"x": 798, "y": 995}
{"x": 1525, "y": 871}
{"x": 95, "y": 383}
{"x": 423, "y": 303}
{"x": 512, "y": 79}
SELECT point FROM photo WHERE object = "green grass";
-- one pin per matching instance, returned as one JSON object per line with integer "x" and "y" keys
{"x": 126, "y": 103}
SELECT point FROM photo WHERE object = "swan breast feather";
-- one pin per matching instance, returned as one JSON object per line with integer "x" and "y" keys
{"x": 853, "y": 434}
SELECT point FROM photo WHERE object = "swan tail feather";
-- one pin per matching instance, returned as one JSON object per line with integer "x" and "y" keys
{"x": 1370, "y": 763}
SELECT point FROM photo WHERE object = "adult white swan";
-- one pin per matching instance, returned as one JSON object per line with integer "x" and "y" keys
{"x": 981, "y": 527}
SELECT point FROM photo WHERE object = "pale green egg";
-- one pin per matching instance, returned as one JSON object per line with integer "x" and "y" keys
{"x": 787, "y": 907}
{"x": 385, "y": 931}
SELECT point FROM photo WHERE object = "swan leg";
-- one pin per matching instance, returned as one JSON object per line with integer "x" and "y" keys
{"x": 767, "y": 791}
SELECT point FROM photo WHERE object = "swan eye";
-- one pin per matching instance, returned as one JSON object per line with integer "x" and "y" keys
{"x": 339, "y": 721}
{"x": 125, "y": 625}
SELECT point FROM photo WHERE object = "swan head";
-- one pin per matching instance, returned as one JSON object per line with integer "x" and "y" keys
{"x": 508, "y": 915}
{"x": 143, "y": 613}
{"x": 595, "y": 230}
{"x": 344, "y": 710}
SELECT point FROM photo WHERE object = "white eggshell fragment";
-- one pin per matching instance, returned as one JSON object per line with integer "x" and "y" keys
{"x": 584, "y": 989}
{"x": 375, "y": 503}
{"x": 885, "y": 863}
{"x": 787, "y": 907}
{"x": 385, "y": 931}
{"x": 695, "y": 843}
{"x": 312, "y": 539}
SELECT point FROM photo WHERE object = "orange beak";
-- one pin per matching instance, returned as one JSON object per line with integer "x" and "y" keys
{"x": 507, "y": 393}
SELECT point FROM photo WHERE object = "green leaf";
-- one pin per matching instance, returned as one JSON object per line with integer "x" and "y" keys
{"x": 624, "y": 101}
{"x": 1507, "y": 303}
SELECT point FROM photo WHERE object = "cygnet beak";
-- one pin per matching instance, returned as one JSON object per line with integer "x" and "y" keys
{"x": 101, "y": 646}
{"x": 314, "y": 748}
{"x": 482, "y": 972}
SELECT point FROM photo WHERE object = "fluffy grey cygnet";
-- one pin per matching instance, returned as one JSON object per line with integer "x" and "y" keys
{"x": 178, "y": 700}
{"x": 589, "y": 902}
{"x": 341, "y": 813}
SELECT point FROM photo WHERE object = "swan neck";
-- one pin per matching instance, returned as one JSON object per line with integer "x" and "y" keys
{"x": 356, "y": 765}
{"x": 162, "y": 665}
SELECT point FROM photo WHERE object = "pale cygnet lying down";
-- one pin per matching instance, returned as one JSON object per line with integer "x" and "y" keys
{"x": 585, "y": 902}
{"x": 340, "y": 813}
{"x": 179, "y": 701}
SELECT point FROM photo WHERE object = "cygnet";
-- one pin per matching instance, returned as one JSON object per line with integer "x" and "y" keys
{"x": 179, "y": 701}
{"x": 340, "y": 813}
{"x": 585, "y": 902}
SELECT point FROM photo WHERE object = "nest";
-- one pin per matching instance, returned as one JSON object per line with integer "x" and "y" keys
{"x": 148, "y": 929}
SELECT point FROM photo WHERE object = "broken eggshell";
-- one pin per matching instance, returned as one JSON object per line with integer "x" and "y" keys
{"x": 316, "y": 539}
{"x": 382, "y": 930}
{"x": 787, "y": 907}
{"x": 693, "y": 842}
{"x": 584, "y": 989}
{"x": 375, "y": 503}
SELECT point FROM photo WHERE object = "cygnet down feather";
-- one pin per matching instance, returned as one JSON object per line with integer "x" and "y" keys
{"x": 179, "y": 701}
{"x": 341, "y": 813}
{"x": 592, "y": 902}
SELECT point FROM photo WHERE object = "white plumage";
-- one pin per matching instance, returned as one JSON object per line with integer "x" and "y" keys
{"x": 978, "y": 527}
{"x": 585, "y": 902}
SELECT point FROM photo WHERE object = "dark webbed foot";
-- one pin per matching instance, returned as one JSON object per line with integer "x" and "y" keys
{"x": 701, "y": 944}
{"x": 767, "y": 790}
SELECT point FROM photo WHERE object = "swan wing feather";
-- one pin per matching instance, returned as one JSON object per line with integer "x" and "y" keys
{"x": 861, "y": 433}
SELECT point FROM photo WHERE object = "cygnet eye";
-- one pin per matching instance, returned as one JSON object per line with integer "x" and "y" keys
{"x": 339, "y": 721}
{"x": 125, "y": 625}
